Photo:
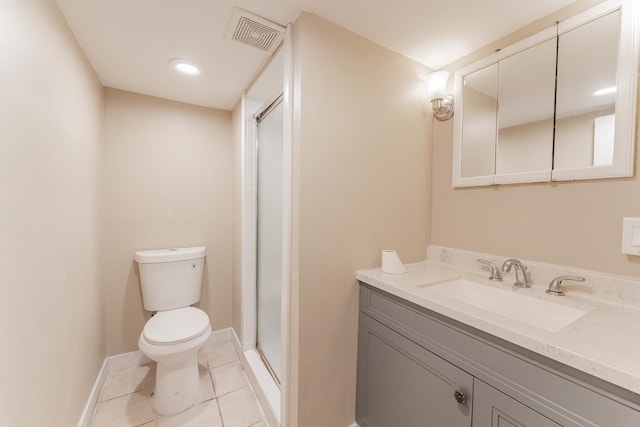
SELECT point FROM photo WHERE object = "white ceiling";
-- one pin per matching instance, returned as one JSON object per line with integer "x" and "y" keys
{"x": 129, "y": 42}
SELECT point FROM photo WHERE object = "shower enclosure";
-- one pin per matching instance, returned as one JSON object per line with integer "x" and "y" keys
{"x": 269, "y": 235}
{"x": 265, "y": 255}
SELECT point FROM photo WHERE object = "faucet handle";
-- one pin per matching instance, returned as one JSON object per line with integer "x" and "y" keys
{"x": 495, "y": 271}
{"x": 555, "y": 287}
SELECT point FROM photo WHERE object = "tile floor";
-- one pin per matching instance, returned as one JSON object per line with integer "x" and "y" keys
{"x": 226, "y": 398}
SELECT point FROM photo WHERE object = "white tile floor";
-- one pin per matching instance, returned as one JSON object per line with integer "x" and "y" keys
{"x": 226, "y": 398}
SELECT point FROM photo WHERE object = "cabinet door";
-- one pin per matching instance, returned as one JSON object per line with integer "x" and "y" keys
{"x": 494, "y": 408}
{"x": 402, "y": 384}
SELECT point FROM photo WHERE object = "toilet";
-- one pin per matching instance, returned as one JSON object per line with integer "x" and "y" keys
{"x": 171, "y": 280}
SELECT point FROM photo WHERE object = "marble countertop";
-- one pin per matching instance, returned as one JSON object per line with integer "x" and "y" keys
{"x": 604, "y": 343}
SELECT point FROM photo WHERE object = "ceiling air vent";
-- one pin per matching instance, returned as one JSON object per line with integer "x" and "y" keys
{"x": 255, "y": 31}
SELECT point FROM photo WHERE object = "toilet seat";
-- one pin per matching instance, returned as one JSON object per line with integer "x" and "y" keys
{"x": 176, "y": 326}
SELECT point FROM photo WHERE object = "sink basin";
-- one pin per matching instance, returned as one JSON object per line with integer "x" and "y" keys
{"x": 535, "y": 312}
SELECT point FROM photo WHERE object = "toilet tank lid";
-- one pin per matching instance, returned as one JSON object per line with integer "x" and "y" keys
{"x": 170, "y": 255}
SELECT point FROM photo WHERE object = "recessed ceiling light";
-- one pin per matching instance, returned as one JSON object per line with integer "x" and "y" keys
{"x": 605, "y": 91}
{"x": 185, "y": 66}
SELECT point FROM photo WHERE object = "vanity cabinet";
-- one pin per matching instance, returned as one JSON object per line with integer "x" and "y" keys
{"x": 403, "y": 384}
{"x": 412, "y": 362}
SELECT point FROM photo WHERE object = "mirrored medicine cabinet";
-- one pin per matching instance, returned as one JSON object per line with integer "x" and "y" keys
{"x": 560, "y": 105}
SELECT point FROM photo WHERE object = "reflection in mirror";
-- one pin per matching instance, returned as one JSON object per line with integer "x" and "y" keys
{"x": 480, "y": 111}
{"x": 585, "y": 115}
{"x": 526, "y": 106}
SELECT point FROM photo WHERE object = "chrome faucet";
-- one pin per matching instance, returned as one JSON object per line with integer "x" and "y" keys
{"x": 521, "y": 272}
{"x": 555, "y": 287}
{"x": 495, "y": 271}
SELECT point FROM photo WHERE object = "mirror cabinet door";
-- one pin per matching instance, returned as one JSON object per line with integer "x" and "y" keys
{"x": 526, "y": 83}
{"x": 480, "y": 114}
{"x": 586, "y": 100}
{"x": 566, "y": 103}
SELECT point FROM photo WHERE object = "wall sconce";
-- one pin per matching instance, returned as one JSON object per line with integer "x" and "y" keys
{"x": 441, "y": 103}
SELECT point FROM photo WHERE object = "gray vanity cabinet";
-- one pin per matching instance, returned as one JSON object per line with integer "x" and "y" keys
{"x": 412, "y": 361}
{"x": 404, "y": 385}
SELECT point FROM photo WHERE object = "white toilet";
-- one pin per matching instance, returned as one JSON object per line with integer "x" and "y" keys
{"x": 171, "y": 280}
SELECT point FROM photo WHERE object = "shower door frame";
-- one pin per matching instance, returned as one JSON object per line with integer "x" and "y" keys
{"x": 288, "y": 380}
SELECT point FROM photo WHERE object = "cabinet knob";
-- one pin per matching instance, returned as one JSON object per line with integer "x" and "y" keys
{"x": 460, "y": 397}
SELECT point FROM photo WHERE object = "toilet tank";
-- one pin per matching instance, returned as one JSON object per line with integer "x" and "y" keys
{"x": 170, "y": 278}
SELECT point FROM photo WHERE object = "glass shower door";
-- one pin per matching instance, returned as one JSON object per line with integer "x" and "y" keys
{"x": 269, "y": 235}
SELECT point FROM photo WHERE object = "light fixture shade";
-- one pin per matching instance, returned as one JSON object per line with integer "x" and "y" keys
{"x": 185, "y": 66}
{"x": 437, "y": 84}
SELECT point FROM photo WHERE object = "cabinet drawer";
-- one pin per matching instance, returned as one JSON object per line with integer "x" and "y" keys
{"x": 402, "y": 384}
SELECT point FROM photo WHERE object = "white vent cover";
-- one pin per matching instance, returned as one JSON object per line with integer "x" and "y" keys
{"x": 255, "y": 31}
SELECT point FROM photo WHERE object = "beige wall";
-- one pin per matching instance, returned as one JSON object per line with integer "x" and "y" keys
{"x": 51, "y": 310}
{"x": 576, "y": 224}
{"x": 236, "y": 297}
{"x": 362, "y": 164}
{"x": 167, "y": 184}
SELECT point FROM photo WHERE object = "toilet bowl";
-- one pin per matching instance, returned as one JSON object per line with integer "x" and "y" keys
{"x": 171, "y": 281}
{"x": 172, "y": 339}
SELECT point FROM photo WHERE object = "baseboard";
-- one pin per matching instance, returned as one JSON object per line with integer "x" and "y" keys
{"x": 266, "y": 390}
{"x": 220, "y": 336}
{"x": 94, "y": 395}
{"x": 134, "y": 359}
